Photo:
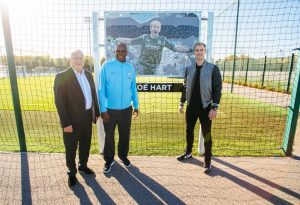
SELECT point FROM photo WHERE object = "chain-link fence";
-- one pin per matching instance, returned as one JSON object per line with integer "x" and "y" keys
{"x": 252, "y": 44}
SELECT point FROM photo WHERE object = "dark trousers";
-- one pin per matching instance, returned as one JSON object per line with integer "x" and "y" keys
{"x": 122, "y": 118}
{"x": 82, "y": 135}
{"x": 193, "y": 113}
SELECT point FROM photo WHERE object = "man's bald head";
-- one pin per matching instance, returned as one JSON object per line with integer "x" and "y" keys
{"x": 121, "y": 45}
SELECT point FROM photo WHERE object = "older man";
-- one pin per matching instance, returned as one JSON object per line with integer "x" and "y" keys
{"x": 77, "y": 106}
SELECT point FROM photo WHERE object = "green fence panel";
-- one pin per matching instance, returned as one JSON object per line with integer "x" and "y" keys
{"x": 293, "y": 112}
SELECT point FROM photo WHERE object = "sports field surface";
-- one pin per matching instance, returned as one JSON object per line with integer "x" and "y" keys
{"x": 245, "y": 126}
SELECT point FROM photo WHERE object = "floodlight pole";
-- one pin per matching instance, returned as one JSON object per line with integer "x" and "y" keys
{"x": 87, "y": 19}
{"x": 235, "y": 43}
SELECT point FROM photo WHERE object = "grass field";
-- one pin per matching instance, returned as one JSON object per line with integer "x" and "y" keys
{"x": 243, "y": 127}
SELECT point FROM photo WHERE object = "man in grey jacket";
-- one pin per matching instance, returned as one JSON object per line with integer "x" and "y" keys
{"x": 202, "y": 91}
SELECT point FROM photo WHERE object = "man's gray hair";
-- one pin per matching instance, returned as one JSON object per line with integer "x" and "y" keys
{"x": 76, "y": 52}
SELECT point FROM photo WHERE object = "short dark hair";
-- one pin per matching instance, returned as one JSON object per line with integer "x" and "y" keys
{"x": 200, "y": 44}
{"x": 121, "y": 44}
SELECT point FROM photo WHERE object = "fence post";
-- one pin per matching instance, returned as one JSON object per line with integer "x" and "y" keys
{"x": 290, "y": 73}
{"x": 13, "y": 78}
{"x": 210, "y": 23}
{"x": 293, "y": 112}
{"x": 242, "y": 64}
{"x": 281, "y": 64}
{"x": 247, "y": 68}
{"x": 224, "y": 68}
{"x": 264, "y": 72}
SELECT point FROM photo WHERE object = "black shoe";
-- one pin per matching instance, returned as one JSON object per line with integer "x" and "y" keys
{"x": 72, "y": 180}
{"x": 207, "y": 168}
{"x": 85, "y": 170}
{"x": 184, "y": 156}
{"x": 107, "y": 167}
{"x": 126, "y": 162}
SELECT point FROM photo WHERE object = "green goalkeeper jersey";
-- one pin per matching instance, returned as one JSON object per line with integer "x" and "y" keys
{"x": 151, "y": 50}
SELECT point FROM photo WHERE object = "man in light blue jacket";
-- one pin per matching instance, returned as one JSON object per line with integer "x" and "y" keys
{"x": 117, "y": 93}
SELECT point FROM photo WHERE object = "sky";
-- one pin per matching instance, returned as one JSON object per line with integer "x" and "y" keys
{"x": 56, "y": 27}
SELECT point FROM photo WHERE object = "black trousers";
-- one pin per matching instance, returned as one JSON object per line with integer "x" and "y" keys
{"x": 82, "y": 135}
{"x": 122, "y": 118}
{"x": 193, "y": 113}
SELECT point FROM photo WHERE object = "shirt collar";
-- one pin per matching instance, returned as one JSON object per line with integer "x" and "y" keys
{"x": 120, "y": 61}
{"x": 77, "y": 73}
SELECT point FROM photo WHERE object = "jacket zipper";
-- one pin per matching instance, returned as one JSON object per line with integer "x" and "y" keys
{"x": 122, "y": 86}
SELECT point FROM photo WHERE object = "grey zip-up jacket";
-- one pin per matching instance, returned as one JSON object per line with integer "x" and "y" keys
{"x": 210, "y": 84}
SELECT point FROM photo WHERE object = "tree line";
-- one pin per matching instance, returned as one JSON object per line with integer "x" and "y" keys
{"x": 256, "y": 64}
{"x": 31, "y": 62}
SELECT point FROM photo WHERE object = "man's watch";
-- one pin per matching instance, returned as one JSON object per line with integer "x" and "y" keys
{"x": 215, "y": 108}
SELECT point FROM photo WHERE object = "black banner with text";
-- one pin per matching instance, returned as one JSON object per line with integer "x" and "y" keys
{"x": 159, "y": 87}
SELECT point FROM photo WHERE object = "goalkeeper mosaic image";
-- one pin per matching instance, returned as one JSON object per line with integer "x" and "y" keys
{"x": 158, "y": 43}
